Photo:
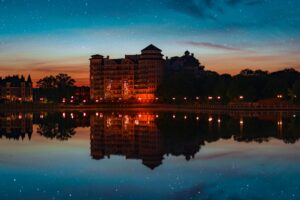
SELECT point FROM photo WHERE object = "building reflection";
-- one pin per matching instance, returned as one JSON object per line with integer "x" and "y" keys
{"x": 16, "y": 126}
{"x": 150, "y": 137}
{"x": 134, "y": 136}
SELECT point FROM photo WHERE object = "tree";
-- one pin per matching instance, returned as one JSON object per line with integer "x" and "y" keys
{"x": 64, "y": 81}
{"x": 55, "y": 88}
{"x": 61, "y": 81}
{"x": 47, "y": 82}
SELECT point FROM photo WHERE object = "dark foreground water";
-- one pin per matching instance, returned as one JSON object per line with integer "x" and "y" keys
{"x": 77, "y": 155}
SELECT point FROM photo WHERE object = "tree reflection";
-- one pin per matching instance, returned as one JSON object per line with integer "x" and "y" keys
{"x": 55, "y": 126}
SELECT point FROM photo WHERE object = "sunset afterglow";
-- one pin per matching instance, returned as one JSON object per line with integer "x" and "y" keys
{"x": 47, "y": 37}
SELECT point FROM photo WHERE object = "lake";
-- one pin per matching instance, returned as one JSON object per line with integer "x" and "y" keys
{"x": 148, "y": 155}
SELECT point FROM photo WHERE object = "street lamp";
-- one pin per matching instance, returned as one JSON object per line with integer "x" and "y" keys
{"x": 279, "y": 96}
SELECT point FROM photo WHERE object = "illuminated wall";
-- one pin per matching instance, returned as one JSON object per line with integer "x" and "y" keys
{"x": 135, "y": 77}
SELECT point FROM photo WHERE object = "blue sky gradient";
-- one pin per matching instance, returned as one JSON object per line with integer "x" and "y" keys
{"x": 49, "y": 36}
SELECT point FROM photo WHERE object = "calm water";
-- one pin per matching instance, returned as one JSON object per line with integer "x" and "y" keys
{"x": 149, "y": 156}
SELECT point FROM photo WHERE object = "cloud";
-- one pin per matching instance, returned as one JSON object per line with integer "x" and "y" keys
{"x": 193, "y": 192}
{"x": 207, "y": 9}
{"x": 191, "y": 7}
{"x": 213, "y": 46}
{"x": 254, "y": 2}
{"x": 245, "y": 2}
{"x": 218, "y": 155}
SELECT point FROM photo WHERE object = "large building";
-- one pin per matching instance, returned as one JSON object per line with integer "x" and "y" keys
{"x": 16, "y": 89}
{"x": 135, "y": 77}
{"x": 186, "y": 64}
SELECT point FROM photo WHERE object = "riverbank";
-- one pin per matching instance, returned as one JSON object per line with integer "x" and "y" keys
{"x": 145, "y": 107}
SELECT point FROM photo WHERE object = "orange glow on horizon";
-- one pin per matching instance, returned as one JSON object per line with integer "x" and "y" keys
{"x": 223, "y": 64}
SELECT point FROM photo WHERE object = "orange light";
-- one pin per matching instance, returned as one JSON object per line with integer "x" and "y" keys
{"x": 241, "y": 97}
{"x": 210, "y": 119}
{"x": 279, "y": 96}
{"x": 210, "y": 98}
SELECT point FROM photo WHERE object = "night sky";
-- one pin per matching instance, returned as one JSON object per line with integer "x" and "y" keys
{"x": 44, "y": 37}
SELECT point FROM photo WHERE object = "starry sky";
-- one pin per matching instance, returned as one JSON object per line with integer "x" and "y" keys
{"x": 43, "y": 37}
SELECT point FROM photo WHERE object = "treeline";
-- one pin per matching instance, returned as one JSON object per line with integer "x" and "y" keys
{"x": 247, "y": 86}
{"x": 54, "y": 88}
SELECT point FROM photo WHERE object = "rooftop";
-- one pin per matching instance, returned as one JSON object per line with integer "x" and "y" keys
{"x": 151, "y": 47}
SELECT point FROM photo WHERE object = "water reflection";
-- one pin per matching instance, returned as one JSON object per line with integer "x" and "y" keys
{"x": 16, "y": 126}
{"x": 150, "y": 136}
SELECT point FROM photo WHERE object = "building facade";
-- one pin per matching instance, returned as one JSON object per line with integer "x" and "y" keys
{"x": 135, "y": 77}
{"x": 186, "y": 64}
{"x": 16, "y": 89}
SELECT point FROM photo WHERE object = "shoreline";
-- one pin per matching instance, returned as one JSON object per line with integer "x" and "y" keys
{"x": 149, "y": 107}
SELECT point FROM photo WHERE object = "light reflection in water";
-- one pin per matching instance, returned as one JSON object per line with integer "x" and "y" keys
{"x": 222, "y": 152}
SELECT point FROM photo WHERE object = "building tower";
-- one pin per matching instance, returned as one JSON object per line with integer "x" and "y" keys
{"x": 97, "y": 77}
{"x": 149, "y": 73}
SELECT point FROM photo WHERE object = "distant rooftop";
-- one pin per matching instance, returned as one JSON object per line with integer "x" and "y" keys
{"x": 151, "y": 47}
{"x": 97, "y": 56}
